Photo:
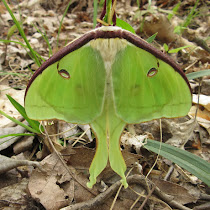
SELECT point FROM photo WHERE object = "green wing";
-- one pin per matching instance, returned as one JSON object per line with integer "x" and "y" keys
{"x": 144, "y": 88}
{"x": 147, "y": 88}
{"x": 71, "y": 89}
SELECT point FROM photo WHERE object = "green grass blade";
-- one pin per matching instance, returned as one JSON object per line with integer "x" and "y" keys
{"x": 176, "y": 50}
{"x": 6, "y": 41}
{"x": 95, "y": 13}
{"x": 192, "y": 163}
{"x": 44, "y": 36}
{"x": 3, "y": 73}
{"x": 64, "y": 14}
{"x": 18, "y": 122}
{"x": 193, "y": 13}
{"x": 165, "y": 46}
{"x": 151, "y": 38}
{"x": 198, "y": 74}
{"x": 22, "y": 33}
{"x": 34, "y": 124}
{"x": 138, "y": 3}
{"x": 17, "y": 134}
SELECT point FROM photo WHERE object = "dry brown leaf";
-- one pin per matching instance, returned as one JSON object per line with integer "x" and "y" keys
{"x": 179, "y": 193}
{"x": 53, "y": 189}
{"x": 201, "y": 113}
{"x": 14, "y": 196}
{"x": 181, "y": 132}
{"x": 79, "y": 157}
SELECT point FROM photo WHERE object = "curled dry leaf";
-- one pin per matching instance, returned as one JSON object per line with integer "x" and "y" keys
{"x": 53, "y": 188}
{"x": 129, "y": 140}
{"x": 181, "y": 132}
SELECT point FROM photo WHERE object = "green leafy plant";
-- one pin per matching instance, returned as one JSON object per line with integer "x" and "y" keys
{"x": 125, "y": 25}
{"x": 198, "y": 74}
{"x": 192, "y": 163}
{"x": 18, "y": 122}
{"x": 33, "y": 123}
{"x": 152, "y": 38}
{"x": 176, "y": 50}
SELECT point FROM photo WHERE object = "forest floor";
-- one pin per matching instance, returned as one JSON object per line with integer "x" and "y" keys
{"x": 32, "y": 177}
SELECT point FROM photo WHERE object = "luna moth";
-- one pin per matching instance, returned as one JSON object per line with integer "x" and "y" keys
{"x": 108, "y": 78}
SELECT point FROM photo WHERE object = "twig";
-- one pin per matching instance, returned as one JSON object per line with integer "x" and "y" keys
{"x": 58, "y": 134}
{"x": 204, "y": 197}
{"x": 170, "y": 171}
{"x": 7, "y": 164}
{"x": 157, "y": 200}
{"x": 203, "y": 206}
{"x": 134, "y": 179}
{"x": 80, "y": 137}
{"x": 118, "y": 191}
{"x": 135, "y": 202}
{"x": 150, "y": 192}
{"x": 147, "y": 198}
{"x": 101, "y": 198}
{"x": 201, "y": 43}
